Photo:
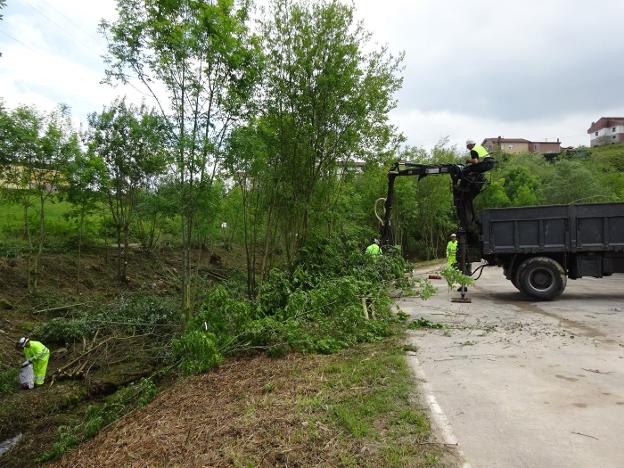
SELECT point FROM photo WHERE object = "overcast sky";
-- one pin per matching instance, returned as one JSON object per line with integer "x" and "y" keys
{"x": 536, "y": 69}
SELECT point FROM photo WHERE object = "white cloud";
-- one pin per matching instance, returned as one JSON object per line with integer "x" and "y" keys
{"x": 534, "y": 69}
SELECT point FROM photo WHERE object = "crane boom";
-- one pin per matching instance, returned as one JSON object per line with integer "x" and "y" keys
{"x": 467, "y": 182}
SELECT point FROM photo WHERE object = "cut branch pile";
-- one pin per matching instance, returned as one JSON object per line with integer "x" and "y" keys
{"x": 96, "y": 354}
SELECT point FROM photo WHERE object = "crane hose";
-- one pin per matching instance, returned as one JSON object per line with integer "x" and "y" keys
{"x": 381, "y": 222}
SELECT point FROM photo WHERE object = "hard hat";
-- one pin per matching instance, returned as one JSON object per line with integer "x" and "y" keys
{"x": 21, "y": 343}
{"x": 376, "y": 241}
{"x": 470, "y": 142}
{"x": 453, "y": 235}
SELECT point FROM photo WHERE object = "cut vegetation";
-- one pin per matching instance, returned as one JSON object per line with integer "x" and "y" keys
{"x": 353, "y": 408}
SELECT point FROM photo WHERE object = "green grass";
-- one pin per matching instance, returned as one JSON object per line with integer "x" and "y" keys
{"x": 59, "y": 229}
{"x": 367, "y": 397}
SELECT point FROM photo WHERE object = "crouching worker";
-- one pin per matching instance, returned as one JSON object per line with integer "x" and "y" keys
{"x": 374, "y": 249}
{"x": 38, "y": 354}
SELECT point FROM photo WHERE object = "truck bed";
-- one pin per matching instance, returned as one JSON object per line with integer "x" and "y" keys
{"x": 597, "y": 227}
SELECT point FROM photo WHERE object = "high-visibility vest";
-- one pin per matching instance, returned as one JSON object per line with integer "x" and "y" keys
{"x": 373, "y": 249}
{"x": 480, "y": 150}
{"x": 451, "y": 252}
{"x": 36, "y": 351}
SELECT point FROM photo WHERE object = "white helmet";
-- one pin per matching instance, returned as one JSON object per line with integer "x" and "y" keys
{"x": 453, "y": 235}
{"x": 22, "y": 342}
{"x": 470, "y": 142}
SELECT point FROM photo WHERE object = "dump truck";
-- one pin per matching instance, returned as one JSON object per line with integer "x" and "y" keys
{"x": 539, "y": 247}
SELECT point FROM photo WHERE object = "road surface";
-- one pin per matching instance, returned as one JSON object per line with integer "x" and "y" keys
{"x": 517, "y": 383}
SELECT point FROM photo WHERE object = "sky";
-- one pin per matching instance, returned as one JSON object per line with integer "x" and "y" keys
{"x": 535, "y": 69}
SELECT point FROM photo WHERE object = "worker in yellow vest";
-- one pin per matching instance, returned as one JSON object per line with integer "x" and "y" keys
{"x": 451, "y": 251}
{"x": 476, "y": 152}
{"x": 374, "y": 248}
{"x": 36, "y": 353}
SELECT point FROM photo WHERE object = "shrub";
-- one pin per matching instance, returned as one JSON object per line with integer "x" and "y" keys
{"x": 197, "y": 351}
{"x": 136, "y": 314}
{"x": 62, "y": 331}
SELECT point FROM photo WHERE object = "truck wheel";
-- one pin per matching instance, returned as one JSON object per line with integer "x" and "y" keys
{"x": 541, "y": 278}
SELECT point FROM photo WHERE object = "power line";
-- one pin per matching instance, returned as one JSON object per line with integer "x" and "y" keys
{"x": 95, "y": 39}
{"x": 61, "y": 29}
{"x": 4, "y": 33}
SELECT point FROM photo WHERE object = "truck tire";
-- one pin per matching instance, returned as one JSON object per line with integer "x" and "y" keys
{"x": 541, "y": 278}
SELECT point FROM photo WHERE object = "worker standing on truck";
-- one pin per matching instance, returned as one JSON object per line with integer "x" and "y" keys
{"x": 374, "y": 248}
{"x": 38, "y": 354}
{"x": 451, "y": 251}
{"x": 476, "y": 152}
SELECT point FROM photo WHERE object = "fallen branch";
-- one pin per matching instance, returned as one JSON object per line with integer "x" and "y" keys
{"x": 65, "y": 307}
{"x": 62, "y": 370}
{"x": 585, "y": 435}
{"x": 596, "y": 371}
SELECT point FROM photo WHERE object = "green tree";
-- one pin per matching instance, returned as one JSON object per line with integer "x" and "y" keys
{"x": 573, "y": 182}
{"x": 2, "y": 6}
{"x": 82, "y": 173}
{"x": 35, "y": 149}
{"x": 204, "y": 59}
{"x": 131, "y": 141}
{"x": 326, "y": 97}
{"x": 247, "y": 161}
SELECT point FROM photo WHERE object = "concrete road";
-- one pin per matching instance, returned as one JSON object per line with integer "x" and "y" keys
{"x": 518, "y": 383}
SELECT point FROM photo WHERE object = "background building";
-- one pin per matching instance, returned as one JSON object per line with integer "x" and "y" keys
{"x": 607, "y": 131}
{"x": 521, "y": 145}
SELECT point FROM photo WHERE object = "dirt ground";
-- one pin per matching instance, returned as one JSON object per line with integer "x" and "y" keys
{"x": 519, "y": 383}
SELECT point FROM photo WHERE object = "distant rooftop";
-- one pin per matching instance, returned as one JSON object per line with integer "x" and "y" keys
{"x": 604, "y": 122}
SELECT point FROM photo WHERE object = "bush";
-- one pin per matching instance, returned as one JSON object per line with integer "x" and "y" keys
{"x": 62, "y": 331}
{"x": 136, "y": 314}
{"x": 317, "y": 308}
{"x": 197, "y": 351}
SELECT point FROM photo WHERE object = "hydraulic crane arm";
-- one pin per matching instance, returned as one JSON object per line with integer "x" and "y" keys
{"x": 468, "y": 181}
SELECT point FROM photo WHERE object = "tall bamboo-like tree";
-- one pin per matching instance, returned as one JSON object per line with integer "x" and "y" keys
{"x": 83, "y": 173}
{"x": 35, "y": 149}
{"x": 198, "y": 61}
{"x": 327, "y": 98}
{"x": 132, "y": 143}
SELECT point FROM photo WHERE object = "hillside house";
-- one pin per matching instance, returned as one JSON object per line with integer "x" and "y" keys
{"x": 606, "y": 131}
{"x": 521, "y": 145}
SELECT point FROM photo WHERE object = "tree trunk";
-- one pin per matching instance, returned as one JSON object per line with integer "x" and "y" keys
{"x": 187, "y": 301}
{"x": 80, "y": 228}
{"x": 124, "y": 266}
{"x": 119, "y": 255}
{"x": 28, "y": 237}
{"x": 41, "y": 240}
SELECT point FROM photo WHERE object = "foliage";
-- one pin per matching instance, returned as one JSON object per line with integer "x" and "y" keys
{"x": 455, "y": 278}
{"x": 424, "y": 323}
{"x": 316, "y": 308}
{"x": 8, "y": 380}
{"x": 34, "y": 149}
{"x": 133, "y": 314}
{"x": 101, "y": 415}
{"x": 200, "y": 63}
{"x": 130, "y": 142}
{"x": 197, "y": 351}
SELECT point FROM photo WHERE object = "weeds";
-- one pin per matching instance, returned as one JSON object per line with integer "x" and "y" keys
{"x": 424, "y": 323}
{"x": 8, "y": 380}
{"x": 101, "y": 415}
{"x": 196, "y": 351}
